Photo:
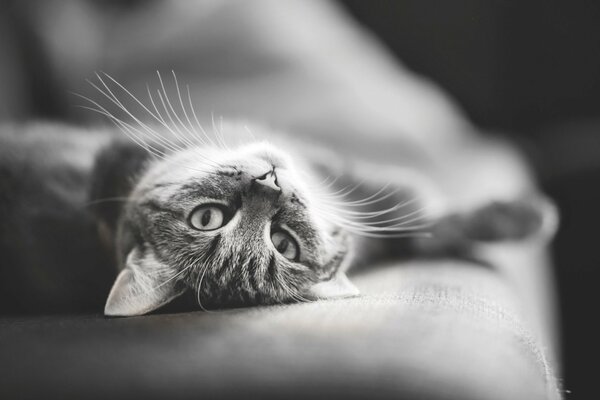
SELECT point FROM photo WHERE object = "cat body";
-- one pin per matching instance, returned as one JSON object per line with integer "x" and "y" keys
{"x": 50, "y": 259}
{"x": 287, "y": 218}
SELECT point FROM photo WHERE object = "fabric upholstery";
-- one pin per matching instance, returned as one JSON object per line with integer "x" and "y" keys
{"x": 431, "y": 330}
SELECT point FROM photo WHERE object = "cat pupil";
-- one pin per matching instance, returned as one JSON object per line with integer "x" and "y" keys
{"x": 283, "y": 245}
{"x": 206, "y": 217}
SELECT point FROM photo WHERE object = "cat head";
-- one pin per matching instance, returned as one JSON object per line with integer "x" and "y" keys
{"x": 235, "y": 226}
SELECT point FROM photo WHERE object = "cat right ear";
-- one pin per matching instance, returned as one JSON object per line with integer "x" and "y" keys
{"x": 141, "y": 287}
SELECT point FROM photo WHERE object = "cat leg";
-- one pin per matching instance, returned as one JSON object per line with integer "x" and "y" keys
{"x": 531, "y": 218}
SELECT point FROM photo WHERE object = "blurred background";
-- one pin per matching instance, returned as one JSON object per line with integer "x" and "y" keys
{"x": 530, "y": 70}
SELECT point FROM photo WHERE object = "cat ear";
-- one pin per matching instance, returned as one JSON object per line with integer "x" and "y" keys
{"x": 335, "y": 288}
{"x": 140, "y": 287}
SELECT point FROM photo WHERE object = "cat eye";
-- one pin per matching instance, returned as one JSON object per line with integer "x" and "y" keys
{"x": 209, "y": 217}
{"x": 286, "y": 245}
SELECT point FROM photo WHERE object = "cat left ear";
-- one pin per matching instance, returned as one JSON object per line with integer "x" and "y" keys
{"x": 335, "y": 288}
{"x": 140, "y": 288}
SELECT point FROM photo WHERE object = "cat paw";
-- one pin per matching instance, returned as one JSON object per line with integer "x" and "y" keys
{"x": 534, "y": 217}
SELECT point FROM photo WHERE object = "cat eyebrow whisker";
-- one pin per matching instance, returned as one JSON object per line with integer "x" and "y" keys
{"x": 183, "y": 136}
{"x": 126, "y": 128}
{"x": 168, "y": 101}
{"x": 130, "y": 130}
{"x": 218, "y": 134}
{"x": 158, "y": 116}
{"x": 190, "y": 126}
{"x": 161, "y": 118}
{"x": 196, "y": 119}
{"x": 115, "y": 100}
{"x": 165, "y": 98}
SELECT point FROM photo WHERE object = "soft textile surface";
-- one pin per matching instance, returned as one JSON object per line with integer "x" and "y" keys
{"x": 441, "y": 330}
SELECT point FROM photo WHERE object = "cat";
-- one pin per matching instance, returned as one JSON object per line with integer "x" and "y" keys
{"x": 243, "y": 215}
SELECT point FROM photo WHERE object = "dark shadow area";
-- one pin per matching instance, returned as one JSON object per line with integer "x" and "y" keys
{"x": 530, "y": 69}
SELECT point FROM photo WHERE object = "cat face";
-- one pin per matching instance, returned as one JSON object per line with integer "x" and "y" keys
{"x": 237, "y": 227}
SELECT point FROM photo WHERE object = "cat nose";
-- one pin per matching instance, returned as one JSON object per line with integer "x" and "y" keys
{"x": 268, "y": 180}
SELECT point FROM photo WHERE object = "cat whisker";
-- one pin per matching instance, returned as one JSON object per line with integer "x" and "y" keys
{"x": 374, "y": 229}
{"x": 373, "y": 199}
{"x": 289, "y": 292}
{"x": 196, "y": 118}
{"x": 218, "y": 135}
{"x": 188, "y": 130}
{"x": 172, "y": 278}
{"x": 220, "y": 130}
{"x": 247, "y": 129}
{"x": 191, "y": 130}
{"x": 411, "y": 217}
{"x": 344, "y": 191}
{"x": 113, "y": 98}
{"x": 343, "y": 195}
{"x": 419, "y": 214}
{"x": 164, "y": 123}
{"x": 324, "y": 184}
{"x": 159, "y": 118}
{"x": 322, "y": 188}
{"x": 127, "y": 129}
{"x": 359, "y": 215}
{"x": 353, "y": 227}
{"x": 106, "y": 200}
{"x": 164, "y": 99}
{"x": 180, "y": 135}
{"x": 362, "y": 229}
{"x": 403, "y": 235}
{"x": 173, "y": 112}
{"x": 199, "y": 289}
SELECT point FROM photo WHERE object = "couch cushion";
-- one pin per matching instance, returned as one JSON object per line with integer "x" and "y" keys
{"x": 434, "y": 330}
